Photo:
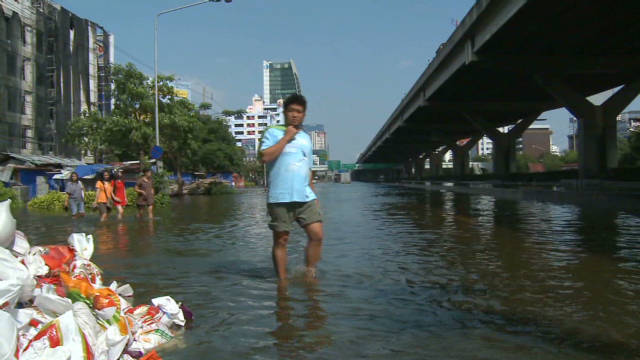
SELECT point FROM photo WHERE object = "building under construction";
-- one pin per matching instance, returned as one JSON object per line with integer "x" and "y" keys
{"x": 54, "y": 66}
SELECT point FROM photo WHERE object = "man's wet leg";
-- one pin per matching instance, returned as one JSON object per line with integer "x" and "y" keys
{"x": 279, "y": 253}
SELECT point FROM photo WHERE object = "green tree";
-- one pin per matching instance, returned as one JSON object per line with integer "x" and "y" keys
{"x": 205, "y": 106}
{"x": 252, "y": 170}
{"x": 522, "y": 162}
{"x": 128, "y": 138}
{"x": 86, "y": 133}
{"x": 218, "y": 150}
{"x": 629, "y": 151}
{"x": 569, "y": 157}
{"x": 551, "y": 162}
{"x": 233, "y": 112}
{"x": 179, "y": 132}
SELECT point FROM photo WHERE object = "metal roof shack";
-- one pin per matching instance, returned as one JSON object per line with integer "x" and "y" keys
{"x": 37, "y": 161}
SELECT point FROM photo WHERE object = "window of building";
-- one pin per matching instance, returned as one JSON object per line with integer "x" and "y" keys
{"x": 251, "y": 132}
{"x": 251, "y": 125}
{"x": 261, "y": 132}
{"x": 238, "y": 133}
{"x": 251, "y": 117}
{"x": 262, "y": 116}
{"x": 263, "y": 124}
{"x": 27, "y": 133}
{"x": 238, "y": 125}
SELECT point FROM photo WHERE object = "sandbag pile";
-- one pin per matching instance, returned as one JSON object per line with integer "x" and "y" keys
{"x": 55, "y": 306}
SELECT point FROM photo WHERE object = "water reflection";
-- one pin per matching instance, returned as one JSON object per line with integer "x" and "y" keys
{"x": 299, "y": 331}
{"x": 598, "y": 230}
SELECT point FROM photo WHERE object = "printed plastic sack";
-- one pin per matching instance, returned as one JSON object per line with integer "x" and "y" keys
{"x": 124, "y": 290}
{"x": 82, "y": 268}
{"x": 35, "y": 263}
{"x": 62, "y": 332}
{"x": 9, "y": 293}
{"x": 47, "y": 299}
{"x": 95, "y": 334}
{"x": 171, "y": 309}
{"x": 29, "y": 321}
{"x": 12, "y": 269}
{"x": 58, "y": 257}
{"x": 20, "y": 244}
{"x": 9, "y": 338}
{"x": 150, "y": 337}
{"x": 82, "y": 244}
{"x": 145, "y": 315}
{"x": 105, "y": 301}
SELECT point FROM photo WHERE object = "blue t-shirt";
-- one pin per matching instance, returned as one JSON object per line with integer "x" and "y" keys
{"x": 290, "y": 173}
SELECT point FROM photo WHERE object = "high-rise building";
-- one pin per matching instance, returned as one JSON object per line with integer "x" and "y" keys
{"x": 57, "y": 67}
{"x": 319, "y": 140}
{"x": 280, "y": 80}
{"x": 248, "y": 128}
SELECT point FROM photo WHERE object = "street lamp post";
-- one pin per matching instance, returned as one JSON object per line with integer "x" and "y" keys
{"x": 155, "y": 56}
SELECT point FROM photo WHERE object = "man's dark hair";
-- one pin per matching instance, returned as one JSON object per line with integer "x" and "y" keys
{"x": 296, "y": 99}
{"x": 144, "y": 171}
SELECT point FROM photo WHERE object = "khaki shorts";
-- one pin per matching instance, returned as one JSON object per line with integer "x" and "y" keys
{"x": 283, "y": 214}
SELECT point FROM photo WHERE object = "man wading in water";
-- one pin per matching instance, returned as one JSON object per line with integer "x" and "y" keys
{"x": 288, "y": 154}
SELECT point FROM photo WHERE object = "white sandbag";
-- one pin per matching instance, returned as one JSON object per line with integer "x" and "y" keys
{"x": 62, "y": 332}
{"x": 170, "y": 308}
{"x": 7, "y": 225}
{"x": 81, "y": 267}
{"x": 35, "y": 263}
{"x": 20, "y": 244}
{"x": 116, "y": 342}
{"x": 23, "y": 317}
{"x": 12, "y": 269}
{"x": 9, "y": 293}
{"x": 82, "y": 244}
{"x": 125, "y": 290}
{"x": 47, "y": 300}
{"x": 9, "y": 338}
{"x": 96, "y": 336}
{"x": 58, "y": 353}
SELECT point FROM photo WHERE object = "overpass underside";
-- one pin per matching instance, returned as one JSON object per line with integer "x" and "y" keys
{"x": 509, "y": 61}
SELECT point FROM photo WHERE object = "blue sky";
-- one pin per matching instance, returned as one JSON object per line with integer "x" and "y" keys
{"x": 356, "y": 58}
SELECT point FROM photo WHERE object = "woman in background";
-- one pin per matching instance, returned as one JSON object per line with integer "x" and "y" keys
{"x": 120, "y": 193}
{"x": 75, "y": 196}
{"x": 104, "y": 195}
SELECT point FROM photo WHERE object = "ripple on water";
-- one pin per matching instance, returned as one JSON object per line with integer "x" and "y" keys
{"x": 405, "y": 274}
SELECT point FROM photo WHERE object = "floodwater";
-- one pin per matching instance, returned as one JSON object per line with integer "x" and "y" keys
{"x": 406, "y": 274}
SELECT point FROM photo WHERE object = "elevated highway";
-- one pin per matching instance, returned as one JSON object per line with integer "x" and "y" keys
{"x": 506, "y": 63}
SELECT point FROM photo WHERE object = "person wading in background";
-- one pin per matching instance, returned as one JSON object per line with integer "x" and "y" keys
{"x": 75, "y": 196}
{"x": 288, "y": 154}
{"x": 144, "y": 188}
{"x": 120, "y": 192}
{"x": 104, "y": 195}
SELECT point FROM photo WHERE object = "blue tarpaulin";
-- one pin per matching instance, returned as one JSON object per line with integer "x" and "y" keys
{"x": 89, "y": 170}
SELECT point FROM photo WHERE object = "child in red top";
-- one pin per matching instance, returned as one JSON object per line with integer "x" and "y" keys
{"x": 120, "y": 192}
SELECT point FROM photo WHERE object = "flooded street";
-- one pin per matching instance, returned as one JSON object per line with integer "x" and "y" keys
{"x": 406, "y": 274}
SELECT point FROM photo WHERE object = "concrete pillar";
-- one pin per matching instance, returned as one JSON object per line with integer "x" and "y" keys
{"x": 460, "y": 161}
{"x": 435, "y": 161}
{"x": 504, "y": 144}
{"x": 461, "y": 156}
{"x": 418, "y": 166}
{"x": 408, "y": 168}
{"x": 596, "y": 123}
